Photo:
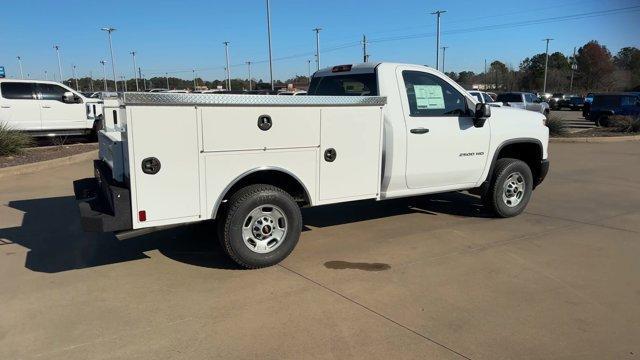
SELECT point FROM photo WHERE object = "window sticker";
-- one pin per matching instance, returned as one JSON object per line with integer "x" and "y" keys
{"x": 429, "y": 97}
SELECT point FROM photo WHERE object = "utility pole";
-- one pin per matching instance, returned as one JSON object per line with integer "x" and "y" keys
{"x": 20, "y": 65}
{"x": 104, "y": 74}
{"x": 46, "y": 76}
{"x": 546, "y": 64}
{"x": 485, "y": 75}
{"x": 226, "y": 55}
{"x": 91, "y": 80}
{"x": 269, "y": 35}
{"x": 135, "y": 75}
{"x": 75, "y": 78}
{"x": 438, "y": 13}
{"x": 59, "y": 62}
{"x": 144, "y": 82}
{"x": 444, "y": 48}
{"x": 194, "y": 78}
{"x": 317, "y": 30}
{"x": 109, "y": 30}
{"x": 309, "y": 70}
{"x": 249, "y": 66}
{"x": 365, "y": 56}
{"x": 167, "y": 76}
{"x": 574, "y": 66}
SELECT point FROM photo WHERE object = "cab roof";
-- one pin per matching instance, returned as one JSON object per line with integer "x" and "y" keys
{"x": 361, "y": 68}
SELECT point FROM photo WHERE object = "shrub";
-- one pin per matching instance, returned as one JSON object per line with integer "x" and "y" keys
{"x": 627, "y": 124}
{"x": 13, "y": 141}
{"x": 556, "y": 126}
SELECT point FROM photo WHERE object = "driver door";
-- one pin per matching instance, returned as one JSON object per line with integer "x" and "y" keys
{"x": 55, "y": 113}
{"x": 444, "y": 149}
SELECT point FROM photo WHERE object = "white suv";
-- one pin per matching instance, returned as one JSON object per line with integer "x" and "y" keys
{"x": 46, "y": 108}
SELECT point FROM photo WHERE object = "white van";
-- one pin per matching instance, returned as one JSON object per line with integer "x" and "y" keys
{"x": 47, "y": 108}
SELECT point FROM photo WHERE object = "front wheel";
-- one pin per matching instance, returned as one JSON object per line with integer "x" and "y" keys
{"x": 260, "y": 227}
{"x": 510, "y": 188}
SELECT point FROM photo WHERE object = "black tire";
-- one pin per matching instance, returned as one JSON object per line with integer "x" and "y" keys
{"x": 504, "y": 169}
{"x": 239, "y": 207}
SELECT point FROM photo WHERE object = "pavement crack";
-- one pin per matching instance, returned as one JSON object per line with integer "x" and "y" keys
{"x": 589, "y": 223}
{"x": 435, "y": 342}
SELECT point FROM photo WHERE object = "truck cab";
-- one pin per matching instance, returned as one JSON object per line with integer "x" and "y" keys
{"x": 371, "y": 131}
{"x": 44, "y": 108}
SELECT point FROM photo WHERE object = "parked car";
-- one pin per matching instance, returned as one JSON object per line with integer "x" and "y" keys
{"x": 564, "y": 102}
{"x": 483, "y": 97}
{"x": 608, "y": 104}
{"x": 576, "y": 103}
{"x": 293, "y": 93}
{"x": 524, "y": 100}
{"x": 47, "y": 108}
{"x": 259, "y": 158}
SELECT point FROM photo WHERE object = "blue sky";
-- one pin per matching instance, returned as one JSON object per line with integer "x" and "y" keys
{"x": 177, "y": 36}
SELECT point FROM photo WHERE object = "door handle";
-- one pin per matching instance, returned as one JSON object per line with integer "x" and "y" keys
{"x": 419, "y": 131}
{"x": 46, "y": 107}
{"x": 5, "y": 107}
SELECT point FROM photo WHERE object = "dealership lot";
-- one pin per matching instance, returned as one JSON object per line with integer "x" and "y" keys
{"x": 429, "y": 277}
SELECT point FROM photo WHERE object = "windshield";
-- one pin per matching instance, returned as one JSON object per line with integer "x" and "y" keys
{"x": 345, "y": 85}
{"x": 509, "y": 97}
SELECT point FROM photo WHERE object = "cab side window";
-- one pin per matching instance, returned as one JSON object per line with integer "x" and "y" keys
{"x": 17, "y": 90}
{"x": 51, "y": 91}
{"x": 487, "y": 98}
{"x": 429, "y": 95}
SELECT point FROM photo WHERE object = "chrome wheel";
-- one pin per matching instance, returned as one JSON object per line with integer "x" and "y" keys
{"x": 264, "y": 229}
{"x": 513, "y": 189}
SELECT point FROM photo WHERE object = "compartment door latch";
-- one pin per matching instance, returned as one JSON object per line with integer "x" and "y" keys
{"x": 151, "y": 165}
{"x": 330, "y": 155}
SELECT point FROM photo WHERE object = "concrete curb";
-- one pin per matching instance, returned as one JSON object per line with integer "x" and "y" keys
{"x": 28, "y": 168}
{"x": 609, "y": 139}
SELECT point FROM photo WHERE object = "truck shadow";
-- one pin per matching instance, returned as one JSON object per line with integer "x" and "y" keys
{"x": 51, "y": 231}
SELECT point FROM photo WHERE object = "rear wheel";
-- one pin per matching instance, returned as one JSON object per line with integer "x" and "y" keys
{"x": 510, "y": 188}
{"x": 260, "y": 227}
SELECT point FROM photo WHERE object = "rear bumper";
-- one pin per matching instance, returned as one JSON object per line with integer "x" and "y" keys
{"x": 105, "y": 205}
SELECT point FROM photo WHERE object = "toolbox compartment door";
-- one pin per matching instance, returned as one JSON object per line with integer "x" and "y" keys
{"x": 170, "y": 135}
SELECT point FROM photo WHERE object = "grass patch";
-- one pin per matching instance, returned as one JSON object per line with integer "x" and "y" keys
{"x": 625, "y": 124}
{"x": 556, "y": 126}
{"x": 12, "y": 141}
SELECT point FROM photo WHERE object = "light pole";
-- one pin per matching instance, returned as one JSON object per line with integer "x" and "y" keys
{"x": 20, "y": 65}
{"x": 167, "y": 76}
{"x": 444, "y": 48}
{"x": 546, "y": 64}
{"x": 124, "y": 82}
{"x": 109, "y": 30}
{"x": 249, "y": 66}
{"x": 194, "y": 78}
{"x": 309, "y": 70}
{"x": 59, "y": 62}
{"x": 574, "y": 66}
{"x": 317, "y": 30}
{"x": 46, "y": 77}
{"x": 91, "y": 80}
{"x": 75, "y": 78}
{"x": 135, "y": 75}
{"x": 438, "y": 13}
{"x": 365, "y": 56}
{"x": 226, "y": 55}
{"x": 104, "y": 74}
{"x": 269, "y": 36}
{"x": 144, "y": 81}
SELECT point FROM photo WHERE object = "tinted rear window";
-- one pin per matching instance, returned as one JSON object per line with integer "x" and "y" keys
{"x": 509, "y": 98}
{"x": 17, "y": 90}
{"x": 349, "y": 85}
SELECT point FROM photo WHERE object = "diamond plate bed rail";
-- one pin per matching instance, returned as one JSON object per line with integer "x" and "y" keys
{"x": 142, "y": 98}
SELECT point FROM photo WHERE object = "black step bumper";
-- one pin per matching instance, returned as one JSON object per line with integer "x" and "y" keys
{"x": 105, "y": 206}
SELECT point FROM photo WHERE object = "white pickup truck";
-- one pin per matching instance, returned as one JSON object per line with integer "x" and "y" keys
{"x": 366, "y": 131}
{"x": 47, "y": 108}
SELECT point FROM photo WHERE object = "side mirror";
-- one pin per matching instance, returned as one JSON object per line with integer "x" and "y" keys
{"x": 483, "y": 111}
{"x": 68, "y": 97}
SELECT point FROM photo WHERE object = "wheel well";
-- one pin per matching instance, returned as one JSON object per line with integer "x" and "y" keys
{"x": 529, "y": 152}
{"x": 277, "y": 178}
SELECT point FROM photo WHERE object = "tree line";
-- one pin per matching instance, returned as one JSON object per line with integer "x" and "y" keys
{"x": 595, "y": 69}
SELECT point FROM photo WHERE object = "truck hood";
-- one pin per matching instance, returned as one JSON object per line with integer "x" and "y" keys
{"x": 515, "y": 114}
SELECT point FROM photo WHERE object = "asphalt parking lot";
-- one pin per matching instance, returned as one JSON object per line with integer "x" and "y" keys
{"x": 425, "y": 278}
{"x": 573, "y": 119}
